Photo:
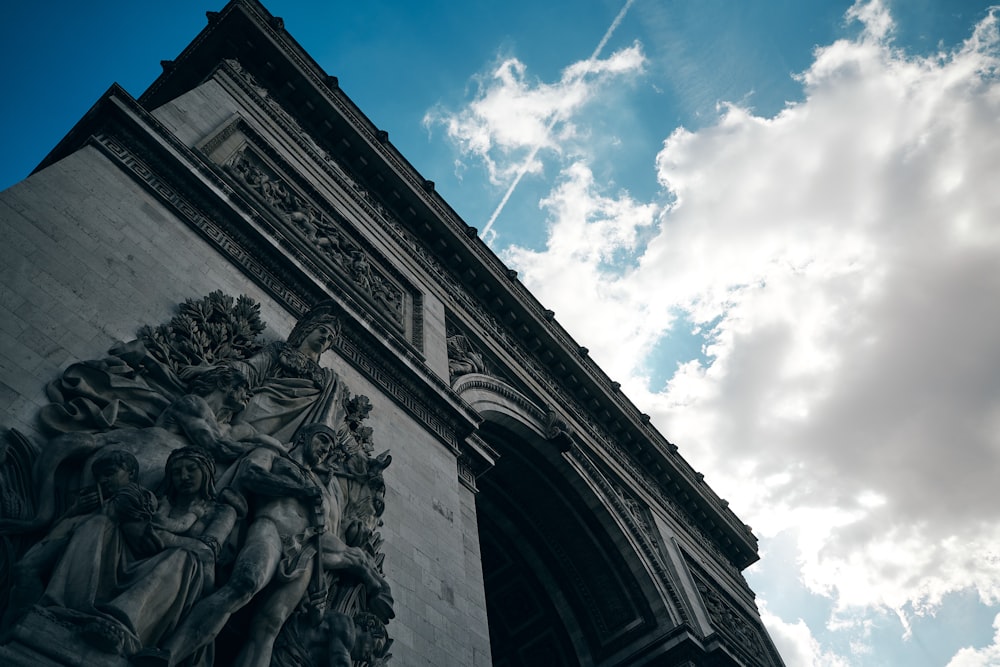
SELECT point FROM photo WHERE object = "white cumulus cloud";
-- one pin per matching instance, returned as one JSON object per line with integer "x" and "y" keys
{"x": 796, "y": 644}
{"x": 842, "y": 259}
{"x": 988, "y": 656}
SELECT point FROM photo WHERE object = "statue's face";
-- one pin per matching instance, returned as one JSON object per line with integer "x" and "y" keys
{"x": 319, "y": 448}
{"x": 318, "y": 340}
{"x": 187, "y": 476}
{"x": 237, "y": 396}
{"x": 111, "y": 479}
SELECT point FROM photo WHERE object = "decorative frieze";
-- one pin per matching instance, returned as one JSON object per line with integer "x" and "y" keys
{"x": 463, "y": 300}
{"x": 234, "y": 243}
{"x": 741, "y": 631}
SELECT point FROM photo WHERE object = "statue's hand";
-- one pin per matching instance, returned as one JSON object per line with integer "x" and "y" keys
{"x": 85, "y": 503}
{"x": 317, "y": 600}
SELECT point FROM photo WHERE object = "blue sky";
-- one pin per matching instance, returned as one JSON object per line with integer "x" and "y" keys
{"x": 786, "y": 213}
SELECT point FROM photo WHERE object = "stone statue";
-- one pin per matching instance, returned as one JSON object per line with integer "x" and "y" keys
{"x": 112, "y": 469}
{"x": 353, "y": 631}
{"x": 131, "y": 571}
{"x": 463, "y": 357}
{"x": 123, "y": 573}
{"x": 293, "y": 537}
{"x": 200, "y": 418}
{"x": 289, "y": 386}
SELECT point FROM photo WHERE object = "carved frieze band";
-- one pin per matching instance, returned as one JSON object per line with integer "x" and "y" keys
{"x": 373, "y": 362}
{"x": 743, "y": 633}
{"x": 462, "y": 299}
{"x": 636, "y": 517}
{"x": 320, "y": 233}
{"x": 249, "y": 87}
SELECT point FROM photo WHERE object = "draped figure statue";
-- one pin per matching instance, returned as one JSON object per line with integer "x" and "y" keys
{"x": 124, "y": 573}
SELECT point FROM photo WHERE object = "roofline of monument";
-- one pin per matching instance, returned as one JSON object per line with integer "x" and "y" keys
{"x": 246, "y": 31}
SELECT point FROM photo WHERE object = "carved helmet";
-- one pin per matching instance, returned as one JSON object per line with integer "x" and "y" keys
{"x": 324, "y": 312}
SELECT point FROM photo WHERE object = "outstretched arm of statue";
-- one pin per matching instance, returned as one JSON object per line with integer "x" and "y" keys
{"x": 265, "y": 473}
{"x": 248, "y": 434}
{"x": 338, "y": 555}
{"x": 220, "y": 525}
{"x": 192, "y": 417}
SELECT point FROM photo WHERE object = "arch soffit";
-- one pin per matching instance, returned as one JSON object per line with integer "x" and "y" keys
{"x": 499, "y": 403}
{"x": 505, "y": 409}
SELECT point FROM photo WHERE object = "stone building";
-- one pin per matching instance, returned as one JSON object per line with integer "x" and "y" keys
{"x": 532, "y": 515}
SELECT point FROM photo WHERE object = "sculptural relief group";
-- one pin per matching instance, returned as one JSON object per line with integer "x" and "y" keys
{"x": 204, "y": 498}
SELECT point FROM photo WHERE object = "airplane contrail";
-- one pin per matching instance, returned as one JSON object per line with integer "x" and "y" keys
{"x": 555, "y": 118}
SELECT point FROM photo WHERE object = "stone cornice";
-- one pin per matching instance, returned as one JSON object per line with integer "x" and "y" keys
{"x": 201, "y": 195}
{"x": 244, "y": 30}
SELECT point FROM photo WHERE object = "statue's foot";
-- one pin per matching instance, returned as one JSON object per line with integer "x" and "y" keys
{"x": 104, "y": 635}
{"x": 151, "y": 657}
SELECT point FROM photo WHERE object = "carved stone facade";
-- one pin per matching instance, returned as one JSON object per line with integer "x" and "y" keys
{"x": 223, "y": 305}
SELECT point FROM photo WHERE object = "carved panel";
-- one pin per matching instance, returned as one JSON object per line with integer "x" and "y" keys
{"x": 305, "y": 223}
{"x": 461, "y": 299}
{"x": 741, "y": 631}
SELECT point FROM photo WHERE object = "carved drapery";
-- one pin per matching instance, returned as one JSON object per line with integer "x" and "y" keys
{"x": 183, "y": 393}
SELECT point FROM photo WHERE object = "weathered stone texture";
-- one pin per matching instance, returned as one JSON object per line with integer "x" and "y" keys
{"x": 431, "y": 544}
{"x": 91, "y": 257}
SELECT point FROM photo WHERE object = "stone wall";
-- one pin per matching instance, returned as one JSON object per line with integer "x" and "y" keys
{"x": 90, "y": 255}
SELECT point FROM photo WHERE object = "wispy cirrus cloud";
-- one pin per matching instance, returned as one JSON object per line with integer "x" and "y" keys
{"x": 513, "y": 115}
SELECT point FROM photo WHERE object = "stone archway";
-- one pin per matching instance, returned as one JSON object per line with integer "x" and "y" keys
{"x": 563, "y": 585}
